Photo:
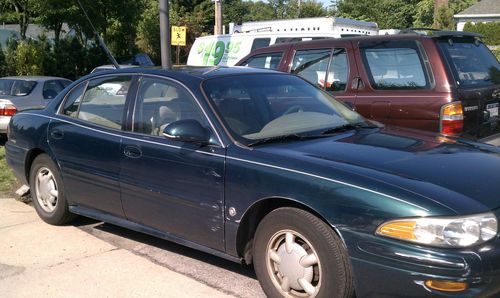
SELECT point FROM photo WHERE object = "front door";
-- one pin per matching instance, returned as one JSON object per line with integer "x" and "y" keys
{"x": 172, "y": 186}
{"x": 85, "y": 139}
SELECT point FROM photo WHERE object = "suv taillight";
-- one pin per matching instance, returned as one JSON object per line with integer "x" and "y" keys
{"x": 452, "y": 118}
{"x": 7, "y": 110}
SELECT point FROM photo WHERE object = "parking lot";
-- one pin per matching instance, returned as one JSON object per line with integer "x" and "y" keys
{"x": 92, "y": 258}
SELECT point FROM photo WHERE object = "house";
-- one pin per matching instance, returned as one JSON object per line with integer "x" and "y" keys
{"x": 481, "y": 12}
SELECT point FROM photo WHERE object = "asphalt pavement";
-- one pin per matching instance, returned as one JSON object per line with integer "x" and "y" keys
{"x": 91, "y": 258}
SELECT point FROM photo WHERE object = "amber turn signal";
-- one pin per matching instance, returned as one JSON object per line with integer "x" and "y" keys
{"x": 447, "y": 286}
{"x": 398, "y": 229}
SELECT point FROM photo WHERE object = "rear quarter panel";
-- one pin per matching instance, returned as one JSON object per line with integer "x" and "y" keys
{"x": 28, "y": 133}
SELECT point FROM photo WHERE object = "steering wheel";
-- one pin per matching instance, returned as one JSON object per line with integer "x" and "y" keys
{"x": 293, "y": 109}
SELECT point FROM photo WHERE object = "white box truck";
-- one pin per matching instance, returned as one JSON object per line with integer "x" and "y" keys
{"x": 227, "y": 49}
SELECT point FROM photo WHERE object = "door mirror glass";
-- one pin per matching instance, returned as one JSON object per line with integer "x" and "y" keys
{"x": 188, "y": 130}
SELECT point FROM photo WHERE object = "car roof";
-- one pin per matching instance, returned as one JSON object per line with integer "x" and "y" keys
{"x": 407, "y": 34}
{"x": 34, "y": 78}
{"x": 199, "y": 72}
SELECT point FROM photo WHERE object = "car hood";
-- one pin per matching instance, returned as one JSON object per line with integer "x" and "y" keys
{"x": 404, "y": 157}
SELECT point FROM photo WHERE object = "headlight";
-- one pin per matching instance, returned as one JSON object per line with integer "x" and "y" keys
{"x": 442, "y": 231}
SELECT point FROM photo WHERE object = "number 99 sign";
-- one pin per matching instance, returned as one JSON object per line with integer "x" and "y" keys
{"x": 213, "y": 52}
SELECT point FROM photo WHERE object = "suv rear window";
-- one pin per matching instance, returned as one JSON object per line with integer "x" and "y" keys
{"x": 395, "y": 65}
{"x": 471, "y": 62}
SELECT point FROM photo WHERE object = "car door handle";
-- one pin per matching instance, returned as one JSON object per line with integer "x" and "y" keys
{"x": 56, "y": 134}
{"x": 132, "y": 151}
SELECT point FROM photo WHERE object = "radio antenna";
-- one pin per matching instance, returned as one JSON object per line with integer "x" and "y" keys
{"x": 99, "y": 39}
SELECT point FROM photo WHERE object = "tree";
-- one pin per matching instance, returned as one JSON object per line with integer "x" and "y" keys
{"x": 424, "y": 14}
{"x": 52, "y": 14}
{"x": 311, "y": 9}
{"x": 19, "y": 10}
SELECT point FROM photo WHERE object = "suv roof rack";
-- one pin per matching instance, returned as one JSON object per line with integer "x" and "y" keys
{"x": 438, "y": 33}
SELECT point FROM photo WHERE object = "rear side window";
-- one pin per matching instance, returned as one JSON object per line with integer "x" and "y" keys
{"x": 269, "y": 61}
{"x": 395, "y": 65}
{"x": 73, "y": 101}
{"x": 260, "y": 43}
{"x": 312, "y": 65}
{"x": 471, "y": 62}
{"x": 103, "y": 102}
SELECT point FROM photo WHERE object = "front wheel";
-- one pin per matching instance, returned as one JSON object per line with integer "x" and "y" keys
{"x": 47, "y": 192}
{"x": 298, "y": 255}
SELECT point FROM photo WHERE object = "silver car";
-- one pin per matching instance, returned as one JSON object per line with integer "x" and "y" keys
{"x": 26, "y": 92}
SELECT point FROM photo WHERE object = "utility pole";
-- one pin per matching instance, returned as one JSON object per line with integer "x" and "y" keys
{"x": 165, "y": 35}
{"x": 218, "y": 17}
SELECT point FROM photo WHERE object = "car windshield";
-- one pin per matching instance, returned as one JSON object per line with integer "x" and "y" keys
{"x": 472, "y": 63}
{"x": 262, "y": 106}
{"x": 16, "y": 87}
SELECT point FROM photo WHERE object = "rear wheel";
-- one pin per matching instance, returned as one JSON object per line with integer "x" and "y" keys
{"x": 47, "y": 192}
{"x": 298, "y": 255}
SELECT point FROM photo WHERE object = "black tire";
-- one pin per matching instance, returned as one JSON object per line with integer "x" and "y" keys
{"x": 332, "y": 273}
{"x": 60, "y": 214}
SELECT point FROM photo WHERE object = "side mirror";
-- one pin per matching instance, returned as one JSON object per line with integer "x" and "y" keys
{"x": 188, "y": 130}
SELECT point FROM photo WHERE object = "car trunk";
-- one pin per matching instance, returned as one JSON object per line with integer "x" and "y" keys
{"x": 476, "y": 73}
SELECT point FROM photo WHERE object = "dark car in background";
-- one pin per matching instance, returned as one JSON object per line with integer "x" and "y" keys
{"x": 261, "y": 167}
{"x": 445, "y": 81}
{"x": 26, "y": 92}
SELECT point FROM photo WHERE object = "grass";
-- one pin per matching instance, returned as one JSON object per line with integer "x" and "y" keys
{"x": 7, "y": 180}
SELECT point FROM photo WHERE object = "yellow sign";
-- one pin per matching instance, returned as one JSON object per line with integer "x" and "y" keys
{"x": 178, "y": 35}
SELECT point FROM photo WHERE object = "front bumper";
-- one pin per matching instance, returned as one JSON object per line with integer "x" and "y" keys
{"x": 4, "y": 122}
{"x": 391, "y": 268}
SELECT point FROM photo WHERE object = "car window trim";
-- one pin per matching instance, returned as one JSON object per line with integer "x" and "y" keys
{"x": 221, "y": 143}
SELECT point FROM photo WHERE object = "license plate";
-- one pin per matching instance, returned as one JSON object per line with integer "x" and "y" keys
{"x": 492, "y": 108}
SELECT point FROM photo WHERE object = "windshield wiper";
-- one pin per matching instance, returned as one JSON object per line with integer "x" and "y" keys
{"x": 348, "y": 126}
{"x": 283, "y": 138}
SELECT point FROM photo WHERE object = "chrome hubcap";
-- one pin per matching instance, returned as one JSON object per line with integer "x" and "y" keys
{"x": 293, "y": 265}
{"x": 46, "y": 189}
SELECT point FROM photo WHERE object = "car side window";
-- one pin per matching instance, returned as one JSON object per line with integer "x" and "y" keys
{"x": 338, "y": 71}
{"x": 103, "y": 102}
{"x": 73, "y": 100}
{"x": 52, "y": 88}
{"x": 395, "y": 65}
{"x": 269, "y": 61}
{"x": 312, "y": 65}
{"x": 161, "y": 102}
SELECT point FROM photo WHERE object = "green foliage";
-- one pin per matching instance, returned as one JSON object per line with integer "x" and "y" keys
{"x": 490, "y": 31}
{"x": 311, "y": 9}
{"x": 496, "y": 53}
{"x": 7, "y": 179}
{"x": 29, "y": 58}
{"x": 444, "y": 18}
{"x": 402, "y": 13}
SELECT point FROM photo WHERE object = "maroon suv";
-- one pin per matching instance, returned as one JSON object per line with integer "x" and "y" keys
{"x": 447, "y": 82}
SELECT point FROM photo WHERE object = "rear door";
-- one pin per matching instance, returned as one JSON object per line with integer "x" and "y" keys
{"x": 476, "y": 74}
{"x": 331, "y": 68}
{"x": 398, "y": 84}
{"x": 85, "y": 138}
